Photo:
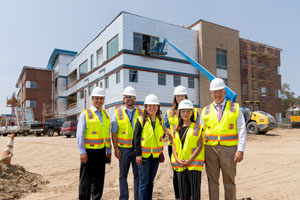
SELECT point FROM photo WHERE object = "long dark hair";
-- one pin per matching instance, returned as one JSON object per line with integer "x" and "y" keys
{"x": 180, "y": 121}
{"x": 175, "y": 106}
{"x": 146, "y": 115}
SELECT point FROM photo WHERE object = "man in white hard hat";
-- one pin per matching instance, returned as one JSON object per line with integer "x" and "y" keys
{"x": 94, "y": 146}
{"x": 225, "y": 140}
{"x": 122, "y": 128}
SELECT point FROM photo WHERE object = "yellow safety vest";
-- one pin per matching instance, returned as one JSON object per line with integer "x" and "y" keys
{"x": 125, "y": 131}
{"x": 173, "y": 121}
{"x": 225, "y": 131}
{"x": 191, "y": 143}
{"x": 152, "y": 141}
{"x": 96, "y": 135}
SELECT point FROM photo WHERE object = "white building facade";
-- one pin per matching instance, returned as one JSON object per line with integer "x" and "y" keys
{"x": 118, "y": 57}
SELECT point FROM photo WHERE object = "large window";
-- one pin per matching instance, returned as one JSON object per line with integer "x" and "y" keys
{"x": 143, "y": 43}
{"x": 161, "y": 79}
{"x": 118, "y": 77}
{"x": 221, "y": 59}
{"x": 191, "y": 82}
{"x": 133, "y": 76}
{"x": 99, "y": 56}
{"x": 83, "y": 69}
{"x": 92, "y": 61}
{"x": 30, "y": 84}
{"x": 91, "y": 89}
{"x": 176, "y": 80}
{"x": 30, "y": 103}
{"x": 113, "y": 47}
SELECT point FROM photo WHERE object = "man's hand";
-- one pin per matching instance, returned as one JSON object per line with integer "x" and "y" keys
{"x": 139, "y": 160}
{"x": 238, "y": 156}
{"x": 118, "y": 153}
{"x": 83, "y": 158}
{"x": 108, "y": 156}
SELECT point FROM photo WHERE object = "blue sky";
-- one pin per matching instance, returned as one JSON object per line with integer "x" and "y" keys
{"x": 31, "y": 29}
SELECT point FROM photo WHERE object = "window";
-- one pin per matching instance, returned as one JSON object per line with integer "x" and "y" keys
{"x": 263, "y": 91}
{"x": 161, "y": 79}
{"x": 277, "y": 94}
{"x": 30, "y": 103}
{"x": 81, "y": 94}
{"x": 83, "y": 69}
{"x": 91, "y": 88}
{"x": 133, "y": 76}
{"x": 99, "y": 56}
{"x": 92, "y": 61}
{"x": 176, "y": 80}
{"x": 107, "y": 82}
{"x": 191, "y": 82}
{"x": 113, "y": 47}
{"x": 118, "y": 77}
{"x": 143, "y": 43}
{"x": 221, "y": 59}
{"x": 244, "y": 89}
{"x": 30, "y": 84}
{"x": 244, "y": 62}
{"x": 277, "y": 68}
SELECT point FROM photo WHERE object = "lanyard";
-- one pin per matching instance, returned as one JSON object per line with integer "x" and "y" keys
{"x": 130, "y": 117}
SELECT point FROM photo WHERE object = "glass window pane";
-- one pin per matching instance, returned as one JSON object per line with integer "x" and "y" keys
{"x": 133, "y": 76}
{"x": 137, "y": 43}
{"x": 191, "y": 82}
{"x": 92, "y": 61}
{"x": 83, "y": 68}
{"x": 99, "y": 56}
{"x": 176, "y": 80}
{"x": 161, "y": 79}
{"x": 118, "y": 77}
{"x": 113, "y": 47}
{"x": 107, "y": 82}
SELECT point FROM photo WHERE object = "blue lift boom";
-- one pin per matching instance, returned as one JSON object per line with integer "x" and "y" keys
{"x": 158, "y": 50}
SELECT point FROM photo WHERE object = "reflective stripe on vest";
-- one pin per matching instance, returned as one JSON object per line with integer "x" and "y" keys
{"x": 96, "y": 135}
{"x": 223, "y": 132}
{"x": 190, "y": 145}
{"x": 125, "y": 141}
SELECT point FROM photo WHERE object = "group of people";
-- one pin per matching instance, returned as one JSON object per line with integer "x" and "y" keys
{"x": 216, "y": 139}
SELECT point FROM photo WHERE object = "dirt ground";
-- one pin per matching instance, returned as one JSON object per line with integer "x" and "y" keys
{"x": 270, "y": 170}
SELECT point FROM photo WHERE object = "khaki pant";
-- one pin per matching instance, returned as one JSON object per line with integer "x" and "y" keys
{"x": 216, "y": 158}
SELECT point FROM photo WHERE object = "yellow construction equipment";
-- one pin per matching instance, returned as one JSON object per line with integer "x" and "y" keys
{"x": 295, "y": 121}
{"x": 258, "y": 121}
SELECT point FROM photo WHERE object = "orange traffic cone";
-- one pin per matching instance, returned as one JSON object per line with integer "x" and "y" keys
{"x": 7, "y": 152}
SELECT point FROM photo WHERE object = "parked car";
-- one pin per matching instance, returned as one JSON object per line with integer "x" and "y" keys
{"x": 49, "y": 126}
{"x": 69, "y": 128}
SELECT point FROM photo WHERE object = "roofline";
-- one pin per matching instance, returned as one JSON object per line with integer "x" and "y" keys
{"x": 55, "y": 53}
{"x": 262, "y": 44}
{"x": 28, "y": 67}
{"x": 201, "y": 20}
{"x": 122, "y": 12}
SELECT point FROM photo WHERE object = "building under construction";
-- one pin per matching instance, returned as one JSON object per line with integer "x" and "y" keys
{"x": 260, "y": 76}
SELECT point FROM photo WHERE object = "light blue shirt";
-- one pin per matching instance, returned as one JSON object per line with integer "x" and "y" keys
{"x": 81, "y": 127}
{"x": 130, "y": 113}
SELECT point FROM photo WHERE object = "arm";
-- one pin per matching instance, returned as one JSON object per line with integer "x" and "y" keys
{"x": 166, "y": 126}
{"x": 81, "y": 127}
{"x": 241, "y": 129}
{"x": 114, "y": 136}
{"x": 196, "y": 152}
{"x": 137, "y": 142}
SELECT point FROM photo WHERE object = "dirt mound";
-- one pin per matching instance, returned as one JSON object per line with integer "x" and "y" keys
{"x": 16, "y": 182}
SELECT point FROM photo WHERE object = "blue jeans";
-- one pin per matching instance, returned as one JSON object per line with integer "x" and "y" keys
{"x": 148, "y": 171}
{"x": 128, "y": 157}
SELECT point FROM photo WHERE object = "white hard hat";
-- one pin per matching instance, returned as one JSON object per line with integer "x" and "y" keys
{"x": 180, "y": 90}
{"x": 185, "y": 104}
{"x": 151, "y": 99}
{"x": 217, "y": 84}
{"x": 98, "y": 92}
{"x": 130, "y": 91}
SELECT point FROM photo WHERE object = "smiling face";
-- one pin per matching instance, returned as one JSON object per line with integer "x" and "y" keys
{"x": 186, "y": 114}
{"x": 218, "y": 95}
{"x": 179, "y": 98}
{"x": 129, "y": 101}
{"x": 98, "y": 102}
{"x": 151, "y": 109}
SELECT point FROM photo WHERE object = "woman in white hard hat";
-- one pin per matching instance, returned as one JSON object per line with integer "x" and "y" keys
{"x": 148, "y": 144}
{"x": 188, "y": 152}
{"x": 171, "y": 121}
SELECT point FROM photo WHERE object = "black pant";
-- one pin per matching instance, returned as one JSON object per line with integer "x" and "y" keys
{"x": 92, "y": 175}
{"x": 189, "y": 184}
{"x": 175, "y": 179}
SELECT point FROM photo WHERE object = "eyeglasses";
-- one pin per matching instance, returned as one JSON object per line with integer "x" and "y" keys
{"x": 129, "y": 97}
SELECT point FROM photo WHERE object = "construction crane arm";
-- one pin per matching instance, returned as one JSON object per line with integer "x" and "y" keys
{"x": 158, "y": 50}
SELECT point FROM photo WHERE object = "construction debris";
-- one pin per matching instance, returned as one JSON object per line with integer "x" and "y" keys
{"x": 16, "y": 182}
